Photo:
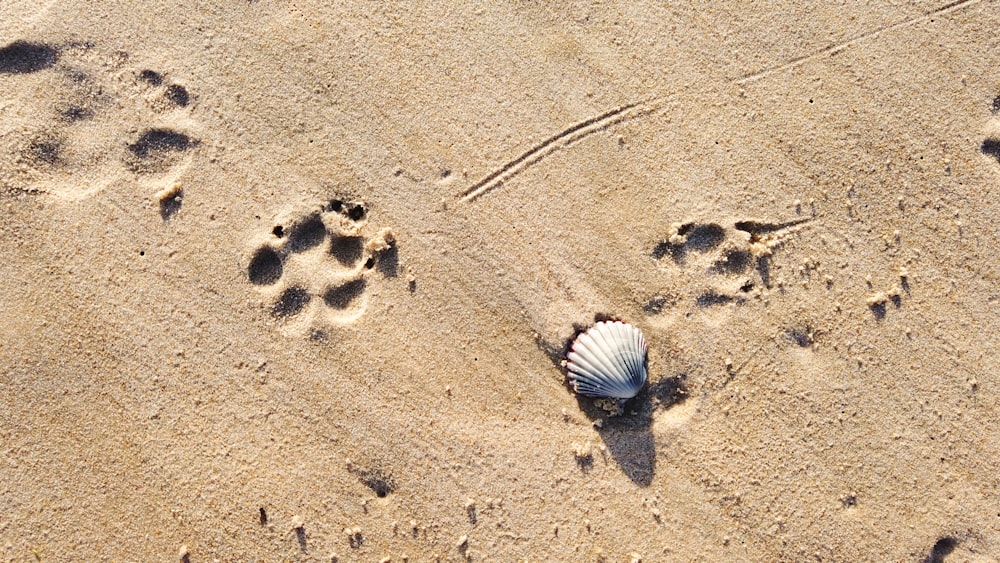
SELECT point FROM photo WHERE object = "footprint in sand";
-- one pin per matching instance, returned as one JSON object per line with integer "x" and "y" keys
{"x": 313, "y": 267}
{"x": 76, "y": 120}
{"x": 737, "y": 258}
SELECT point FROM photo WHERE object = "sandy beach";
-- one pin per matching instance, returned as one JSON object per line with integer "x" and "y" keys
{"x": 292, "y": 282}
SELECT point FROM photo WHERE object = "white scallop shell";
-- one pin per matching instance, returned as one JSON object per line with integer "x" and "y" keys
{"x": 608, "y": 360}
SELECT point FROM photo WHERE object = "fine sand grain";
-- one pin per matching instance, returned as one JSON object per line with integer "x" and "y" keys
{"x": 290, "y": 282}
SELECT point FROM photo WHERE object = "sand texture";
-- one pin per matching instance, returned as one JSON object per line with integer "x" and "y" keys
{"x": 291, "y": 282}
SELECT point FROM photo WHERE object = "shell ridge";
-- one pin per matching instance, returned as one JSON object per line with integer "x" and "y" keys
{"x": 597, "y": 389}
{"x": 592, "y": 383}
{"x": 595, "y": 380}
{"x": 639, "y": 357}
{"x": 593, "y": 351}
{"x": 585, "y": 364}
{"x": 617, "y": 344}
{"x": 643, "y": 349}
{"x": 610, "y": 349}
{"x": 587, "y": 383}
{"x": 582, "y": 368}
{"x": 627, "y": 335}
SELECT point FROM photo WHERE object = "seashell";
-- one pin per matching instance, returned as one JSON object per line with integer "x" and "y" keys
{"x": 608, "y": 360}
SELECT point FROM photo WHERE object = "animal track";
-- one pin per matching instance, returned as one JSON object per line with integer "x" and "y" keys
{"x": 156, "y": 150}
{"x": 740, "y": 255}
{"x": 104, "y": 122}
{"x": 313, "y": 266}
{"x": 22, "y": 57}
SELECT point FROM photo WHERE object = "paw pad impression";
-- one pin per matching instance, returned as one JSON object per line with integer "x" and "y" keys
{"x": 315, "y": 263}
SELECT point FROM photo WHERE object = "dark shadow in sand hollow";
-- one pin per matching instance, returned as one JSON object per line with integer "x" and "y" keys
{"x": 300, "y": 534}
{"x": 388, "y": 262}
{"x": 941, "y": 550}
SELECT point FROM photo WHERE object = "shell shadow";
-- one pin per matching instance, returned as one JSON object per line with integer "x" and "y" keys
{"x": 628, "y": 437}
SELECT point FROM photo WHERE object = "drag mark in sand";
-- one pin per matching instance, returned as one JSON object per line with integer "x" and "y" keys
{"x": 560, "y": 140}
{"x": 834, "y": 49}
{"x": 582, "y": 129}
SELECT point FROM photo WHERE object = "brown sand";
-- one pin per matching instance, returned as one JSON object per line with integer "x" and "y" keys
{"x": 282, "y": 282}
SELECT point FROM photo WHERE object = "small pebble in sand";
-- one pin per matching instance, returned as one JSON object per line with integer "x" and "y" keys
{"x": 673, "y": 234}
{"x": 877, "y": 299}
{"x": 182, "y": 553}
{"x": 169, "y": 199}
{"x": 354, "y": 537}
{"x": 462, "y": 542}
{"x": 470, "y": 510}
{"x": 297, "y": 522}
{"x": 382, "y": 241}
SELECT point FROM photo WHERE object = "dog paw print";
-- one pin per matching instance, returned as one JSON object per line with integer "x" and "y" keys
{"x": 314, "y": 266}
{"x": 734, "y": 260}
{"x": 82, "y": 119}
